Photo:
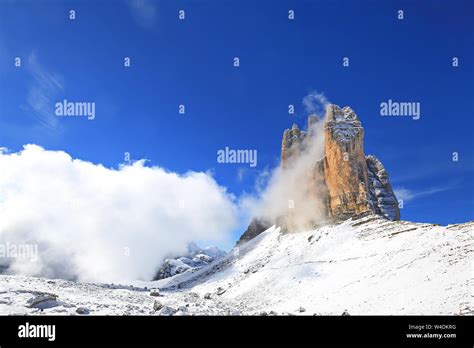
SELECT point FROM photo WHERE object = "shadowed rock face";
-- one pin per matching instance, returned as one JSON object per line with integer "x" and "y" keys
{"x": 291, "y": 144}
{"x": 256, "y": 227}
{"x": 381, "y": 195}
{"x": 354, "y": 184}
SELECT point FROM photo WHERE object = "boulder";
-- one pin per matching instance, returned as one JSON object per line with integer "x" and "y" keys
{"x": 43, "y": 300}
{"x": 155, "y": 292}
{"x": 157, "y": 305}
{"x": 167, "y": 311}
{"x": 82, "y": 310}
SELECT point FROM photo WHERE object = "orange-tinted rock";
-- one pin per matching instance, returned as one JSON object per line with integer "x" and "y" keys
{"x": 345, "y": 167}
{"x": 354, "y": 183}
{"x": 345, "y": 181}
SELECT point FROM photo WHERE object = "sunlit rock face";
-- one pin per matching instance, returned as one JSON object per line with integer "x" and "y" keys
{"x": 356, "y": 183}
{"x": 345, "y": 182}
{"x": 345, "y": 167}
{"x": 352, "y": 182}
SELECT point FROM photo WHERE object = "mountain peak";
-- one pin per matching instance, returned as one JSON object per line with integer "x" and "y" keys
{"x": 356, "y": 183}
{"x": 343, "y": 123}
{"x": 348, "y": 182}
{"x": 336, "y": 113}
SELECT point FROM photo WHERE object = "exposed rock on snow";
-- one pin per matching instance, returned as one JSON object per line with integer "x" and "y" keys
{"x": 157, "y": 305}
{"x": 82, "y": 310}
{"x": 194, "y": 259}
{"x": 257, "y": 226}
{"x": 155, "y": 292}
{"x": 43, "y": 300}
{"x": 167, "y": 311}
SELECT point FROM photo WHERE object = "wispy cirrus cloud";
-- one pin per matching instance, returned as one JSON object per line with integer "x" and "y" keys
{"x": 144, "y": 12}
{"x": 406, "y": 194}
{"x": 44, "y": 88}
{"x": 241, "y": 173}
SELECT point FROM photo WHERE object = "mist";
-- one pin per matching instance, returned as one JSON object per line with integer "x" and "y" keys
{"x": 293, "y": 195}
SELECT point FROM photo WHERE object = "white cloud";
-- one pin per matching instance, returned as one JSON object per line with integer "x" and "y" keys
{"x": 144, "y": 12}
{"x": 403, "y": 193}
{"x": 83, "y": 216}
{"x": 315, "y": 103}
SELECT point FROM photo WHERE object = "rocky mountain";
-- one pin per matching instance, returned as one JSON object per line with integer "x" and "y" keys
{"x": 194, "y": 259}
{"x": 353, "y": 183}
{"x": 361, "y": 260}
{"x": 356, "y": 183}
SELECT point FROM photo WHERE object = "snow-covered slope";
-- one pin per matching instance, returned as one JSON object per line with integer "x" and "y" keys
{"x": 365, "y": 266}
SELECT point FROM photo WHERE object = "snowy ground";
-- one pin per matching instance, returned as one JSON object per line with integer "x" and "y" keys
{"x": 366, "y": 266}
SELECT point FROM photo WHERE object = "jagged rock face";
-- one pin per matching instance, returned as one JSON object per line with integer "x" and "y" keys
{"x": 351, "y": 183}
{"x": 355, "y": 183}
{"x": 345, "y": 167}
{"x": 294, "y": 140}
{"x": 257, "y": 226}
{"x": 291, "y": 143}
{"x": 381, "y": 195}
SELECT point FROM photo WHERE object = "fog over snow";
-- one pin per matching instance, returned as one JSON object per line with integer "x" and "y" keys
{"x": 94, "y": 223}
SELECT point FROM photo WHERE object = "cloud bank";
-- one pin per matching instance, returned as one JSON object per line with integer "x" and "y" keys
{"x": 92, "y": 223}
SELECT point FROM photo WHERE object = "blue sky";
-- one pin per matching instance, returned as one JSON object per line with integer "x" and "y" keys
{"x": 190, "y": 62}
